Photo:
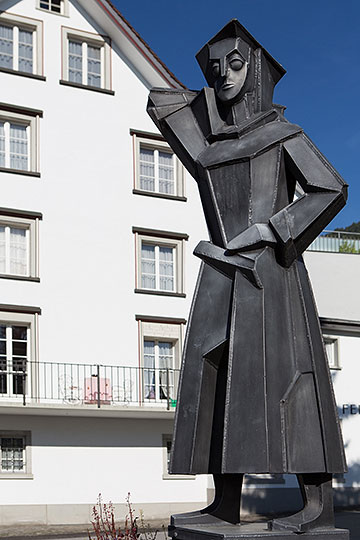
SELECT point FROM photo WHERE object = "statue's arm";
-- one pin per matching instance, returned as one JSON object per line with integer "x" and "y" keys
{"x": 171, "y": 112}
{"x": 325, "y": 193}
{"x": 291, "y": 230}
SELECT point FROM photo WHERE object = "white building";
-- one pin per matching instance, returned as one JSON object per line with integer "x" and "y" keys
{"x": 76, "y": 154}
{"x": 98, "y": 222}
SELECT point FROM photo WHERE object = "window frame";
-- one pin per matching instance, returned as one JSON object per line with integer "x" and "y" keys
{"x": 36, "y": 26}
{"x": 25, "y": 316}
{"x": 27, "y": 473}
{"x": 166, "y": 439}
{"x": 87, "y": 38}
{"x": 30, "y": 119}
{"x": 157, "y": 383}
{"x": 30, "y": 222}
{"x": 10, "y": 374}
{"x": 64, "y": 12}
{"x": 176, "y": 241}
{"x": 161, "y": 330}
{"x": 157, "y": 245}
{"x": 333, "y": 341}
{"x": 152, "y": 141}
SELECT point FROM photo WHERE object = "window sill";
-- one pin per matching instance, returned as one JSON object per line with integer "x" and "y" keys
{"x": 160, "y": 293}
{"x": 87, "y": 87}
{"x": 18, "y": 171}
{"x": 159, "y": 195}
{"x": 20, "y": 278}
{"x": 53, "y": 12}
{"x": 22, "y": 74}
{"x": 16, "y": 476}
{"x": 178, "y": 477}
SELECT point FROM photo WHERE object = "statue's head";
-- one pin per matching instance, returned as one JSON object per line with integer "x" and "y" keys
{"x": 234, "y": 63}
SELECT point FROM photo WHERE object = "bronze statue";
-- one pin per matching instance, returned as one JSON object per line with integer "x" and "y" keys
{"x": 255, "y": 392}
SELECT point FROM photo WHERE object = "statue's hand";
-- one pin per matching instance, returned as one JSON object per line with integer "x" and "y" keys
{"x": 256, "y": 236}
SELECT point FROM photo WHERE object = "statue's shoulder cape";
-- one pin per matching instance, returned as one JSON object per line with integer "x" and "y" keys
{"x": 191, "y": 123}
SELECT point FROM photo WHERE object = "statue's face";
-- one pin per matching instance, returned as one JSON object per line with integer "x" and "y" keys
{"x": 229, "y": 75}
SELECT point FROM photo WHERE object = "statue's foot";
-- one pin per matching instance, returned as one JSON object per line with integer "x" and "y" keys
{"x": 199, "y": 517}
{"x": 318, "y": 511}
{"x": 225, "y": 507}
{"x": 305, "y": 520}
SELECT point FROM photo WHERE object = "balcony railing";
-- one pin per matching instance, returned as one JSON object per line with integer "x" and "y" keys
{"x": 336, "y": 242}
{"x": 88, "y": 385}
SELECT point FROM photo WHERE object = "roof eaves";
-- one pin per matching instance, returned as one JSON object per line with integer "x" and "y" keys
{"x": 174, "y": 81}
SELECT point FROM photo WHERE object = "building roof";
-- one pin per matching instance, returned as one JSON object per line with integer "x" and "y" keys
{"x": 151, "y": 52}
{"x": 146, "y": 64}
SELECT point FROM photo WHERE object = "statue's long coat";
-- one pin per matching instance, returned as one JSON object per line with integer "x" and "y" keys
{"x": 255, "y": 392}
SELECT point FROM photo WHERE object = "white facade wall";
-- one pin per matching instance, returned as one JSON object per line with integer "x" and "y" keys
{"x": 85, "y": 194}
{"x": 87, "y": 282}
{"x": 87, "y": 456}
{"x": 334, "y": 278}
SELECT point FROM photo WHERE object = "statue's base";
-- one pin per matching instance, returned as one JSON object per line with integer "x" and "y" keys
{"x": 250, "y": 531}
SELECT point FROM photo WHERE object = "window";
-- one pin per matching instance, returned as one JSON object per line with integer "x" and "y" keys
{"x": 339, "y": 479}
{"x": 21, "y": 44}
{"x": 54, "y": 6}
{"x": 15, "y": 454}
{"x": 88, "y": 71}
{"x": 167, "y": 444}
{"x": 86, "y": 60}
{"x": 19, "y": 232}
{"x": 157, "y": 169}
{"x": 332, "y": 352}
{"x": 14, "y": 144}
{"x": 14, "y": 250}
{"x": 16, "y": 45}
{"x": 18, "y": 351}
{"x": 161, "y": 343}
{"x": 157, "y": 266}
{"x": 159, "y": 363}
{"x": 14, "y": 341}
{"x": 256, "y": 479}
{"x": 19, "y": 139}
{"x": 160, "y": 262}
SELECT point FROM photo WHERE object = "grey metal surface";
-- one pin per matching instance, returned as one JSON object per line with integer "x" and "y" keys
{"x": 251, "y": 531}
{"x": 255, "y": 392}
{"x": 346, "y": 519}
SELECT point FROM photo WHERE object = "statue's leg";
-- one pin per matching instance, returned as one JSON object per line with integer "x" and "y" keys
{"x": 318, "y": 511}
{"x": 225, "y": 506}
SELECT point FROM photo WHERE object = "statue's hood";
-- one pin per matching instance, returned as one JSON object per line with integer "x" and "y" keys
{"x": 264, "y": 71}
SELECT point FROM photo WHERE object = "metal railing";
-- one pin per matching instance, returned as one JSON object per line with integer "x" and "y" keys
{"x": 336, "y": 242}
{"x": 89, "y": 384}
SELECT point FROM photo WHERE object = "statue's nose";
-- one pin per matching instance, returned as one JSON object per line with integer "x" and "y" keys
{"x": 223, "y": 67}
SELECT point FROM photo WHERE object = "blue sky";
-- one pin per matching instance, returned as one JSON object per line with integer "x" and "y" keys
{"x": 317, "y": 42}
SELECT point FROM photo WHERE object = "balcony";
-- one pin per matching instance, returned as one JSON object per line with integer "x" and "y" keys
{"x": 336, "y": 242}
{"x": 34, "y": 384}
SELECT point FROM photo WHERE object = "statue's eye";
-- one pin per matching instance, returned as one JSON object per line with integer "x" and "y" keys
{"x": 236, "y": 64}
{"x": 215, "y": 69}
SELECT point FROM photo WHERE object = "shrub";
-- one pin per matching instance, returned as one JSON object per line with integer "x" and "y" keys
{"x": 347, "y": 246}
{"x": 105, "y": 528}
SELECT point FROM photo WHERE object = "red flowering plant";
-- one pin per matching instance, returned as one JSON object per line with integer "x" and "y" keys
{"x": 105, "y": 528}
